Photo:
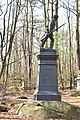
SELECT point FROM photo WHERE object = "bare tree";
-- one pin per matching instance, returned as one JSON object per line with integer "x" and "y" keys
{"x": 70, "y": 45}
{"x": 77, "y": 33}
{"x": 7, "y": 34}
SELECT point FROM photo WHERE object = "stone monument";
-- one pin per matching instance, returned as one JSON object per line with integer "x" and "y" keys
{"x": 47, "y": 83}
{"x": 78, "y": 83}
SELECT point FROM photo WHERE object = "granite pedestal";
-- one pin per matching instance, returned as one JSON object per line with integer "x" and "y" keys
{"x": 47, "y": 84}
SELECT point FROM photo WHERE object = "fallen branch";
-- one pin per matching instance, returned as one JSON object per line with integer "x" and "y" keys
{"x": 20, "y": 108}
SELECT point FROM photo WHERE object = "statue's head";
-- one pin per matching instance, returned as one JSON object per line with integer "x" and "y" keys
{"x": 56, "y": 17}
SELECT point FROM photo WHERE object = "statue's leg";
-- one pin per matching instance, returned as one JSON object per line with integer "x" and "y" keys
{"x": 52, "y": 42}
{"x": 43, "y": 42}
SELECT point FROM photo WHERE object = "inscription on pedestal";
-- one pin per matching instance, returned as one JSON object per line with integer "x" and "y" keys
{"x": 47, "y": 77}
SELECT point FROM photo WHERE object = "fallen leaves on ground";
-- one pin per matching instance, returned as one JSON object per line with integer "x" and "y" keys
{"x": 12, "y": 98}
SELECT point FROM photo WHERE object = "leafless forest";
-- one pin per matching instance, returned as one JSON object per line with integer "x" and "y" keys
{"x": 22, "y": 24}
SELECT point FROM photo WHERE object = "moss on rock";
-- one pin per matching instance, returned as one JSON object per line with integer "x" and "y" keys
{"x": 51, "y": 109}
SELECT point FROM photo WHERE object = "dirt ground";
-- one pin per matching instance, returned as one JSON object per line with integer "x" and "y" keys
{"x": 69, "y": 99}
{"x": 11, "y": 114}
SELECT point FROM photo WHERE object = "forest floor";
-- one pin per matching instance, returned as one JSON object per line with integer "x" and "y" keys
{"x": 74, "y": 100}
{"x": 12, "y": 115}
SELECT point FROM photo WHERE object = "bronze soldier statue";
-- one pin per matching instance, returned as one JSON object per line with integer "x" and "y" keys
{"x": 49, "y": 32}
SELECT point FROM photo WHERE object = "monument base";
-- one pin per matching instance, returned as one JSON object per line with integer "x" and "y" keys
{"x": 47, "y": 96}
{"x": 47, "y": 83}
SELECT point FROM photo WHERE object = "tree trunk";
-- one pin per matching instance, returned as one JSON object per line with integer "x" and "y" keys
{"x": 30, "y": 49}
{"x": 77, "y": 33}
{"x": 56, "y": 13}
{"x": 70, "y": 46}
